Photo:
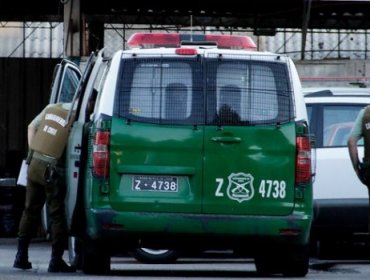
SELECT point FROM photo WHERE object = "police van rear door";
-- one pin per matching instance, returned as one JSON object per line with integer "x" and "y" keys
{"x": 249, "y": 143}
{"x": 76, "y": 151}
{"x": 156, "y": 143}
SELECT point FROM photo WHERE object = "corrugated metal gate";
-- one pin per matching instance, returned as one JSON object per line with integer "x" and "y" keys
{"x": 24, "y": 91}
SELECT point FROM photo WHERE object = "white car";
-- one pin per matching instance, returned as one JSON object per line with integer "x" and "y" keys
{"x": 340, "y": 199}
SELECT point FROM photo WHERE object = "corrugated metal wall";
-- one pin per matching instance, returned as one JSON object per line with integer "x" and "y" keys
{"x": 24, "y": 91}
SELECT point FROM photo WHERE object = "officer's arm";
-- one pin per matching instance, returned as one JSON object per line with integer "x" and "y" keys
{"x": 353, "y": 153}
{"x": 31, "y": 133}
{"x": 33, "y": 126}
{"x": 354, "y": 137}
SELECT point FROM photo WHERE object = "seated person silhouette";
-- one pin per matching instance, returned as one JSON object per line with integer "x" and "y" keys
{"x": 176, "y": 101}
{"x": 226, "y": 115}
{"x": 230, "y": 97}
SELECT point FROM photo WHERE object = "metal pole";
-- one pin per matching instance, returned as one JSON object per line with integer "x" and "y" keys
{"x": 306, "y": 19}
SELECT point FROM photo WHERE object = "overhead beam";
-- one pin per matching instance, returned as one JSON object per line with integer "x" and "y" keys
{"x": 324, "y": 14}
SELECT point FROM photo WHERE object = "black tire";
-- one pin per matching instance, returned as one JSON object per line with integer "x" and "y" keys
{"x": 155, "y": 256}
{"x": 95, "y": 260}
{"x": 296, "y": 264}
{"x": 266, "y": 265}
{"x": 291, "y": 263}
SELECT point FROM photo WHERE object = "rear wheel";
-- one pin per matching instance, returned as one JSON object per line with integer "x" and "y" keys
{"x": 147, "y": 255}
{"x": 292, "y": 263}
{"x": 95, "y": 260}
{"x": 296, "y": 264}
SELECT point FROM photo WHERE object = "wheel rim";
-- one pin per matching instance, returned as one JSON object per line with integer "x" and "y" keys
{"x": 154, "y": 251}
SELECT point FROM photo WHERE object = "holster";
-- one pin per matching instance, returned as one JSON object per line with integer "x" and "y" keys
{"x": 51, "y": 174}
{"x": 364, "y": 171}
{"x": 29, "y": 156}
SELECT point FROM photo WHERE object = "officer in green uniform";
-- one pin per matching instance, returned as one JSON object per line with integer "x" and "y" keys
{"x": 47, "y": 137}
{"x": 361, "y": 129}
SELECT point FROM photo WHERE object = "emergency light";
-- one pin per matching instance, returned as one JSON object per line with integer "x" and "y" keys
{"x": 176, "y": 40}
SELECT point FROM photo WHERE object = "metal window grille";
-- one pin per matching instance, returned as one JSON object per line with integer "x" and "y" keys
{"x": 237, "y": 90}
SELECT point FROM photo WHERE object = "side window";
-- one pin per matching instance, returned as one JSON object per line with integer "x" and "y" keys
{"x": 69, "y": 84}
{"x": 309, "y": 114}
{"x": 66, "y": 78}
{"x": 338, "y": 121}
{"x": 94, "y": 98}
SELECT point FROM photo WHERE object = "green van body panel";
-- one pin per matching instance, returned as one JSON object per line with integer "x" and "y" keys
{"x": 205, "y": 164}
{"x": 155, "y": 150}
{"x": 201, "y": 206}
{"x": 253, "y": 175}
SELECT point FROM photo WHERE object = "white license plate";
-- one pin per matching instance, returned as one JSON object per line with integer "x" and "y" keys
{"x": 155, "y": 183}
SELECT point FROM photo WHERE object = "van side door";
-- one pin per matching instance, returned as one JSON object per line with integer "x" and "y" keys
{"x": 249, "y": 150}
{"x": 76, "y": 149}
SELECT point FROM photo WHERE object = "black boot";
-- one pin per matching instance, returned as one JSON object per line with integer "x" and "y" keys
{"x": 21, "y": 258}
{"x": 57, "y": 264}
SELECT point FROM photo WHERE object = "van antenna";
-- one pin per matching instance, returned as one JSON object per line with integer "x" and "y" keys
{"x": 191, "y": 28}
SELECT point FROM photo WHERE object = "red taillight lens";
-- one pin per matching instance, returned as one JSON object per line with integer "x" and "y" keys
{"x": 101, "y": 154}
{"x": 303, "y": 160}
{"x": 186, "y": 51}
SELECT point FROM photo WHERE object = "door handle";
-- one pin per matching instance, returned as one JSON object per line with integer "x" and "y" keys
{"x": 226, "y": 139}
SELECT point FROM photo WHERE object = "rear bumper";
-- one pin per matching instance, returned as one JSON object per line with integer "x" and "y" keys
{"x": 169, "y": 230}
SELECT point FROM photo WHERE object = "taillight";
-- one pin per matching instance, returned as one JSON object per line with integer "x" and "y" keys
{"x": 303, "y": 160}
{"x": 186, "y": 51}
{"x": 101, "y": 154}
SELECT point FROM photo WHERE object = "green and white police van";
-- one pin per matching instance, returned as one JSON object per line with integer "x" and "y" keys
{"x": 194, "y": 142}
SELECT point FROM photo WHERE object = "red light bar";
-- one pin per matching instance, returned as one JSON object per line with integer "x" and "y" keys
{"x": 147, "y": 40}
{"x": 231, "y": 41}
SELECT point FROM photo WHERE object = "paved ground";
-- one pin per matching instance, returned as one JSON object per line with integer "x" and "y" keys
{"x": 184, "y": 268}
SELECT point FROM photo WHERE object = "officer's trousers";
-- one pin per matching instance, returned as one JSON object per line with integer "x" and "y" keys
{"x": 37, "y": 192}
{"x": 368, "y": 223}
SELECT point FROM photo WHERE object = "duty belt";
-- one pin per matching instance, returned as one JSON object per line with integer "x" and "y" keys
{"x": 42, "y": 157}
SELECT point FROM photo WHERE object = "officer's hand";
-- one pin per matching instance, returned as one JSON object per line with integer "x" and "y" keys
{"x": 360, "y": 171}
{"x": 361, "y": 174}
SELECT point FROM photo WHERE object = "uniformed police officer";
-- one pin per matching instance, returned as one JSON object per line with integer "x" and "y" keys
{"x": 361, "y": 129}
{"x": 47, "y": 137}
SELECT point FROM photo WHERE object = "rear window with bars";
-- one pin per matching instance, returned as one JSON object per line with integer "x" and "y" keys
{"x": 163, "y": 91}
{"x": 204, "y": 91}
{"x": 246, "y": 92}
